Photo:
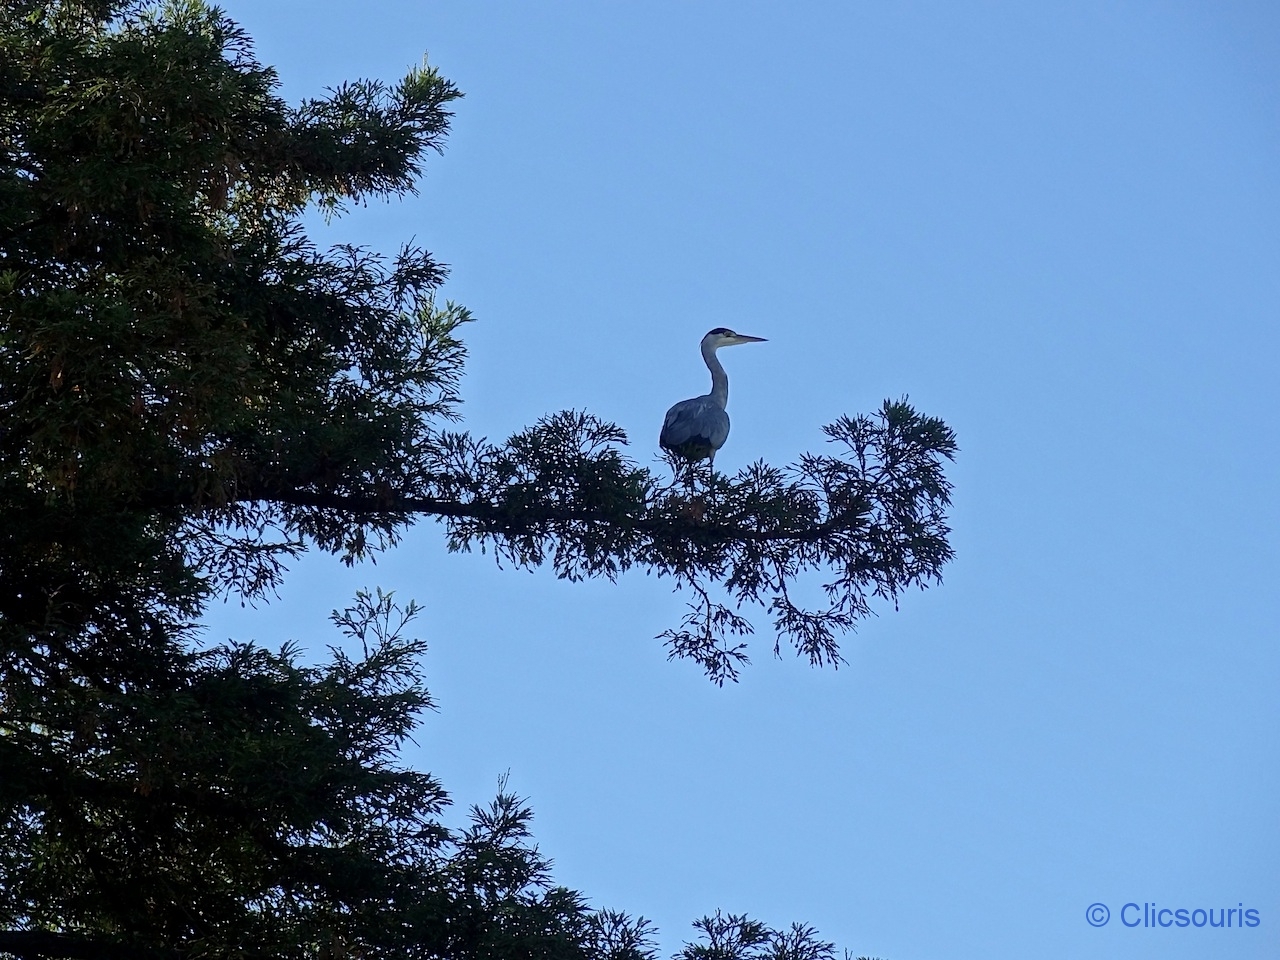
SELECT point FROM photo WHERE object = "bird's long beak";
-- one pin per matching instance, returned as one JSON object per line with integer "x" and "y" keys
{"x": 743, "y": 338}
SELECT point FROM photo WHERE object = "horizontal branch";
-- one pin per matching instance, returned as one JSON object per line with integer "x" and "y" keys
{"x": 502, "y": 519}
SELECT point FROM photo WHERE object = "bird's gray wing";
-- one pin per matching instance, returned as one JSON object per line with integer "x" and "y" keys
{"x": 700, "y": 422}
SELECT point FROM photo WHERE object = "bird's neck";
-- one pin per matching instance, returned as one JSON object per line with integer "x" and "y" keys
{"x": 719, "y": 379}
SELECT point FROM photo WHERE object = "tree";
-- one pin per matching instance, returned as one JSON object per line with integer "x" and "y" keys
{"x": 191, "y": 395}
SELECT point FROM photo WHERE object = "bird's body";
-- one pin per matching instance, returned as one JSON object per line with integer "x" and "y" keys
{"x": 695, "y": 429}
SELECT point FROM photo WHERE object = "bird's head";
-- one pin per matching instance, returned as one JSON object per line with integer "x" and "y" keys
{"x": 724, "y": 337}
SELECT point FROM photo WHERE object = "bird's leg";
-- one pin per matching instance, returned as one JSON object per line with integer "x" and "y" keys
{"x": 687, "y": 474}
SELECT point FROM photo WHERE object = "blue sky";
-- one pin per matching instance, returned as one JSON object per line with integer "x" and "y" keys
{"x": 1057, "y": 227}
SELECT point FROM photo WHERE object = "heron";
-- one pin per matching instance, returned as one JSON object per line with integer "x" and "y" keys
{"x": 695, "y": 429}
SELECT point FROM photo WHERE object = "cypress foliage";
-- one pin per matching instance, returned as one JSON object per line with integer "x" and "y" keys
{"x": 191, "y": 395}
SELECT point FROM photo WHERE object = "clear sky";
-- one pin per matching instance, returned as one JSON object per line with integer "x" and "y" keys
{"x": 1054, "y": 225}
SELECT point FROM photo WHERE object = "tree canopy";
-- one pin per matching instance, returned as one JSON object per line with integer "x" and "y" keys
{"x": 191, "y": 395}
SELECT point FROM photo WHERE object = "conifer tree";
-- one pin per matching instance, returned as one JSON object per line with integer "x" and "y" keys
{"x": 191, "y": 395}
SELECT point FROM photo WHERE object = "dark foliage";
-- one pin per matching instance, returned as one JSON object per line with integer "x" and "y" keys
{"x": 191, "y": 394}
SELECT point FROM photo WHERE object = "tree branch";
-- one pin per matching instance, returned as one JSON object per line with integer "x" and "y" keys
{"x": 501, "y": 519}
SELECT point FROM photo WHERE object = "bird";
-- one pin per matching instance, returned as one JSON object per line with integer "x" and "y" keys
{"x": 696, "y": 428}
